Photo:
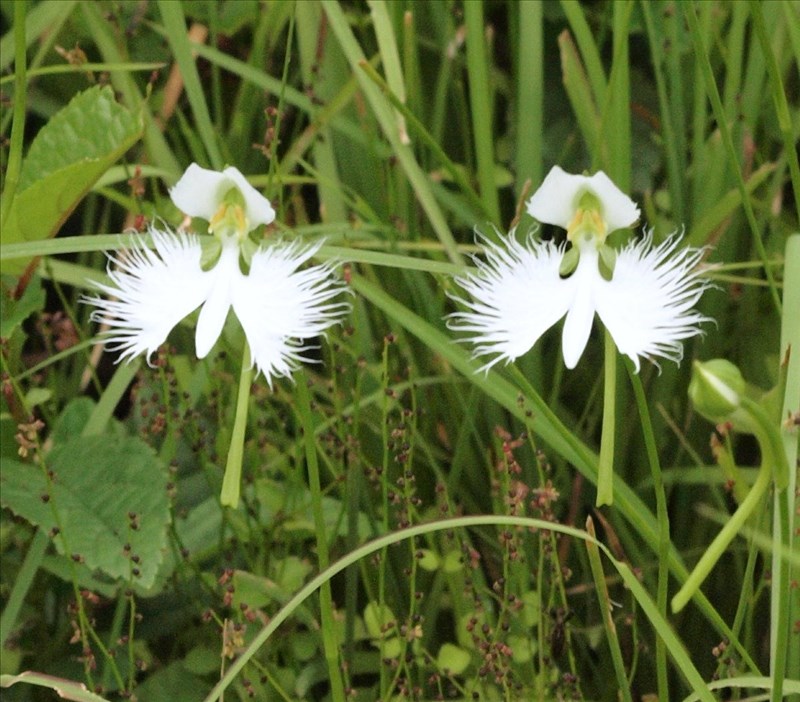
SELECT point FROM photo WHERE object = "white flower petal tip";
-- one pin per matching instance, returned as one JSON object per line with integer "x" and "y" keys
{"x": 280, "y": 304}
{"x": 200, "y": 193}
{"x": 556, "y": 200}
{"x": 517, "y": 294}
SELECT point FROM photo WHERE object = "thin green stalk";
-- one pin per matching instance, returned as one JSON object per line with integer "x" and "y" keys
{"x": 232, "y": 480}
{"x": 325, "y": 597}
{"x": 725, "y": 536}
{"x": 481, "y": 100}
{"x": 725, "y": 132}
{"x": 605, "y": 465}
{"x": 662, "y": 517}
{"x": 18, "y": 127}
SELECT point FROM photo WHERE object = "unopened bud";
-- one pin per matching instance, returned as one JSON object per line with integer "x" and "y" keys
{"x": 716, "y": 389}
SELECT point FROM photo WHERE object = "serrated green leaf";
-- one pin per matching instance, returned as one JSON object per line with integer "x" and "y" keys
{"x": 97, "y": 484}
{"x": 91, "y": 126}
{"x": 69, "y": 154}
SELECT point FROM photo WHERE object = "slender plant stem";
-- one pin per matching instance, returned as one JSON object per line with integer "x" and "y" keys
{"x": 325, "y": 597}
{"x": 232, "y": 481}
{"x": 662, "y": 518}
{"x": 725, "y": 536}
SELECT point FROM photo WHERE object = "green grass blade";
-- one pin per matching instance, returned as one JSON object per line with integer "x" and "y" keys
{"x": 530, "y": 93}
{"x": 175, "y": 26}
{"x": 606, "y": 608}
{"x": 481, "y": 100}
{"x": 722, "y": 121}
{"x": 385, "y": 116}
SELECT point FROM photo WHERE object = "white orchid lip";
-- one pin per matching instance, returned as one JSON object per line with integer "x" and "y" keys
{"x": 645, "y": 300}
{"x": 201, "y": 192}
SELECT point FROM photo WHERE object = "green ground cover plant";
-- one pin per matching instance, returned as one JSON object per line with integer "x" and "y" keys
{"x": 392, "y": 521}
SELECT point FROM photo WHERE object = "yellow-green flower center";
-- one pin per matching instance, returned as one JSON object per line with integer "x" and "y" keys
{"x": 588, "y": 222}
{"x": 230, "y": 218}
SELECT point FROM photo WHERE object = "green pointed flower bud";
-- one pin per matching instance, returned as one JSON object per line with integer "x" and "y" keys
{"x": 716, "y": 389}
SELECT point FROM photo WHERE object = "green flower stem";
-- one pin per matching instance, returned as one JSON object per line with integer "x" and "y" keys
{"x": 605, "y": 466}
{"x": 325, "y": 598}
{"x": 232, "y": 481}
{"x": 720, "y": 543}
{"x": 662, "y": 518}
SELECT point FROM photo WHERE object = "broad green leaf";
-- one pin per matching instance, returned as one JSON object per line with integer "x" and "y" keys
{"x": 379, "y": 620}
{"x": 429, "y": 560}
{"x": 69, "y": 154}
{"x": 174, "y": 683}
{"x": 98, "y": 484}
{"x": 522, "y": 648}
{"x": 453, "y": 659}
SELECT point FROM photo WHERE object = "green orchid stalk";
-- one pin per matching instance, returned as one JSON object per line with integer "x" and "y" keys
{"x": 719, "y": 393}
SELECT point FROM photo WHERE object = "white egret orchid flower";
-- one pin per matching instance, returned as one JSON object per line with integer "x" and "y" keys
{"x": 278, "y": 304}
{"x": 644, "y": 294}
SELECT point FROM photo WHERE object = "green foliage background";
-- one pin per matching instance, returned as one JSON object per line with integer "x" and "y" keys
{"x": 453, "y": 504}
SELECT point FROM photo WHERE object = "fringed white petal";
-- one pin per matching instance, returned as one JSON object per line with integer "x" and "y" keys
{"x": 556, "y": 200}
{"x": 219, "y": 299}
{"x": 578, "y": 324}
{"x": 648, "y": 304}
{"x": 200, "y": 191}
{"x": 152, "y": 291}
{"x": 281, "y": 307}
{"x": 515, "y": 296}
